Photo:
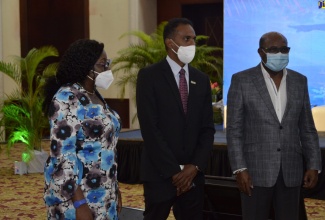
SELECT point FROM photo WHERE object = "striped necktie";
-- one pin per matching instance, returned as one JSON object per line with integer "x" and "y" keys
{"x": 183, "y": 89}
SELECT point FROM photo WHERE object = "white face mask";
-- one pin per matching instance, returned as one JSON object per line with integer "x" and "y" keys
{"x": 276, "y": 61}
{"x": 104, "y": 79}
{"x": 185, "y": 54}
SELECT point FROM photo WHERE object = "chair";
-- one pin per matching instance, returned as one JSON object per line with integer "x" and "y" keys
{"x": 128, "y": 213}
{"x": 222, "y": 200}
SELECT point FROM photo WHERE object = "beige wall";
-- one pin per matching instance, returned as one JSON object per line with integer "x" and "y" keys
{"x": 10, "y": 27}
{"x": 108, "y": 19}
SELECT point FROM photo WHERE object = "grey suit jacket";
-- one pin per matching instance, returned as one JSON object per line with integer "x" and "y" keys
{"x": 258, "y": 141}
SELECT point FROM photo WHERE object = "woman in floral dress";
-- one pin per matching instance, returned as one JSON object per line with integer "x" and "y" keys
{"x": 81, "y": 172}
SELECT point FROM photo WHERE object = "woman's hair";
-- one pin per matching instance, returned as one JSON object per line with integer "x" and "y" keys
{"x": 74, "y": 66}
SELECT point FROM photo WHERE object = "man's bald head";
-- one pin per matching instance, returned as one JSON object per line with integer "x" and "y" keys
{"x": 270, "y": 36}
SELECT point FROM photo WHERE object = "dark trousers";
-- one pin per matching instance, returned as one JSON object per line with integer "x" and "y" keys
{"x": 186, "y": 206}
{"x": 285, "y": 201}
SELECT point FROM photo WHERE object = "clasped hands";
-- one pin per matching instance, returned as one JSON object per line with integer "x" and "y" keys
{"x": 183, "y": 181}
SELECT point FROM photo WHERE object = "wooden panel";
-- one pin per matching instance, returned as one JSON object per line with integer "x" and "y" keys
{"x": 52, "y": 22}
{"x": 122, "y": 107}
{"x": 207, "y": 20}
{"x": 206, "y": 15}
{"x": 56, "y": 23}
{"x": 167, "y": 9}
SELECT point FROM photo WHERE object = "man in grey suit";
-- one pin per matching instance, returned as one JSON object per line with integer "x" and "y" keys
{"x": 271, "y": 134}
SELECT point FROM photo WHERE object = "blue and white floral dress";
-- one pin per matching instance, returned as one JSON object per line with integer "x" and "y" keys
{"x": 83, "y": 152}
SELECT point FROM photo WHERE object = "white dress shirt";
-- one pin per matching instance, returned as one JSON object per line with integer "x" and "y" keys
{"x": 176, "y": 68}
{"x": 278, "y": 96}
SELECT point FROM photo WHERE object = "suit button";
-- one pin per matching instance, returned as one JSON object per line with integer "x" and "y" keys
{"x": 278, "y": 149}
{"x": 280, "y": 127}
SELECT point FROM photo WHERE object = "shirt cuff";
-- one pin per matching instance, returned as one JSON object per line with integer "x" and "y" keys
{"x": 239, "y": 170}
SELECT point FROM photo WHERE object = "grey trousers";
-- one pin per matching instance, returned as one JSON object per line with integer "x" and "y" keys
{"x": 285, "y": 201}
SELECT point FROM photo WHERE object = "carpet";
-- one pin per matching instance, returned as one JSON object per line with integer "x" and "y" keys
{"x": 21, "y": 195}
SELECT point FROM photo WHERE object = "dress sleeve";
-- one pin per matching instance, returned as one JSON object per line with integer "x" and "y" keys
{"x": 63, "y": 170}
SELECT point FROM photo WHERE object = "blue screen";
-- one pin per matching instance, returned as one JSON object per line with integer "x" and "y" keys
{"x": 302, "y": 22}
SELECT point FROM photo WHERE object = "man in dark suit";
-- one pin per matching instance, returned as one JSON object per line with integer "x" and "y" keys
{"x": 175, "y": 115}
{"x": 271, "y": 133}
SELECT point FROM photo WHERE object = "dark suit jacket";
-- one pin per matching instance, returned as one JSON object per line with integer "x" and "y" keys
{"x": 172, "y": 138}
{"x": 258, "y": 141}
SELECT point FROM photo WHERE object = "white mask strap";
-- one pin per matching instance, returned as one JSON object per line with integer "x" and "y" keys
{"x": 175, "y": 45}
{"x": 174, "y": 42}
{"x": 93, "y": 72}
{"x": 90, "y": 78}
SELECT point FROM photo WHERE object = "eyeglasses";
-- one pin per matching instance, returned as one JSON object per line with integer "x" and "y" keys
{"x": 106, "y": 64}
{"x": 277, "y": 49}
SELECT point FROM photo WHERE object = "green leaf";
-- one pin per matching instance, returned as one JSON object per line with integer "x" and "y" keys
{"x": 21, "y": 110}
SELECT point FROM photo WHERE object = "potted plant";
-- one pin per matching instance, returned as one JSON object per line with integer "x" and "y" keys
{"x": 151, "y": 49}
{"x": 21, "y": 111}
{"x": 217, "y": 103}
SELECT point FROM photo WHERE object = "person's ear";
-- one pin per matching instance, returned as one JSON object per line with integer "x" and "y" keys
{"x": 262, "y": 55}
{"x": 169, "y": 43}
{"x": 260, "y": 52}
{"x": 92, "y": 74}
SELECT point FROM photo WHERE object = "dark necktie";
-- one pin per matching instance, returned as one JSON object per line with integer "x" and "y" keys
{"x": 183, "y": 89}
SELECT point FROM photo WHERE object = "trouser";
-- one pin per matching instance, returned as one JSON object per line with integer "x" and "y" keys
{"x": 186, "y": 206}
{"x": 285, "y": 201}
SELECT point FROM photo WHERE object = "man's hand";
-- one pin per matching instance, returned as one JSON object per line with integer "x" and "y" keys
{"x": 244, "y": 182}
{"x": 176, "y": 178}
{"x": 184, "y": 179}
{"x": 310, "y": 179}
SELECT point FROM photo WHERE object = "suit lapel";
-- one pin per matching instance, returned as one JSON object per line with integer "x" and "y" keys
{"x": 192, "y": 90}
{"x": 260, "y": 86}
{"x": 290, "y": 94}
{"x": 169, "y": 76}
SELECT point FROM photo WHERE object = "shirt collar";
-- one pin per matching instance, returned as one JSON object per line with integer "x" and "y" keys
{"x": 175, "y": 67}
